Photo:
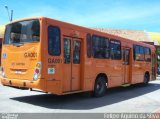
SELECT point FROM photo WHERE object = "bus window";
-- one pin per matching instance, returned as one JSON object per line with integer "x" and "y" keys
{"x": 115, "y": 49}
{"x": 67, "y": 51}
{"x": 54, "y": 41}
{"x": 22, "y": 32}
{"x": 100, "y": 47}
{"x": 88, "y": 45}
{"x": 76, "y": 52}
{"x": 139, "y": 53}
{"x": 106, "y": 49}
{"x": 147, "y": 53}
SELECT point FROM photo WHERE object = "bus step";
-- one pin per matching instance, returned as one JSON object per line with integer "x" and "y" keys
{"x": 36, "y": 90}
{"x": 126, "y": 85}
{"x": 72, "y": 92}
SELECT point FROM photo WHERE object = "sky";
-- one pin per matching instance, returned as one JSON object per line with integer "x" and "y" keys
{"x": 116, "y": 14}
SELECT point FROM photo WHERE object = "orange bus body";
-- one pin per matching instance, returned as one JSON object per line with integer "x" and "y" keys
{"x": 71, "y": 69}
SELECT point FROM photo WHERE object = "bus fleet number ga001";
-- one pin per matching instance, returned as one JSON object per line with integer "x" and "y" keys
{"x": 50, "y": 60}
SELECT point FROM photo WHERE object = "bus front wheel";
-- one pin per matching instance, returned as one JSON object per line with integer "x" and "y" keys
{"x": 99, "y": 87}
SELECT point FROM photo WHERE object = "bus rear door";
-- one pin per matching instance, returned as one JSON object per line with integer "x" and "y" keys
{"x": 72, "y": 64}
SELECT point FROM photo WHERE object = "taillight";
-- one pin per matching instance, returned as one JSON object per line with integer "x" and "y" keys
{"x": 37, "y": 71}
{"x": 3, "y": 73}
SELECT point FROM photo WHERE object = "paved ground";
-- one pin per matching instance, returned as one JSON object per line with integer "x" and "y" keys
{"x": 131, "y": 99}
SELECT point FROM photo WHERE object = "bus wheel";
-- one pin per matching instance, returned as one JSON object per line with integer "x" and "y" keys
{"x": 146, "y": 79}
{"x": 99, "y": 87}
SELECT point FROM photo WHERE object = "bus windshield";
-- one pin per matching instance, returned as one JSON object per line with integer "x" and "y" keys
{"x": 22, "y": 32}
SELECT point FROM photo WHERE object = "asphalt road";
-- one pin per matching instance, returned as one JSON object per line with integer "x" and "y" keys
{"x": 135, "y": 98}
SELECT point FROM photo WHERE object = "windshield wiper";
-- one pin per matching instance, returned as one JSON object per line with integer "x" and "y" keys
{"x": 18, "y": 44}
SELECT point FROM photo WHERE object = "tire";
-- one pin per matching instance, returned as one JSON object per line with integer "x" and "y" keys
{"x": 99, "y": 87}
{"x": 146, "y": 79}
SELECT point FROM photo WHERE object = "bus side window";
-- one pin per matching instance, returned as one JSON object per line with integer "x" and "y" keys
{"x": 106, "y": 48}
{"x": 139, "y": 53}
{"x": 96, "y": 43}
{"x": 54, "y": 47}
{"x": 115, "y": 49}
{"x": 100, "y": 47}
{"x": 147, "y": 52}
{"x": 88, "y": 45}
{"x": 142, "y": 53}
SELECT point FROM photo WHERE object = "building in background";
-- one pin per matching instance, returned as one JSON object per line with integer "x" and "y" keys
{"x": 155, "y": 36}
{"x": 136, "y": 35}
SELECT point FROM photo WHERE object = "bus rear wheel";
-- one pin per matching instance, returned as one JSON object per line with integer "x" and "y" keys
{"x": 99, "y": 87}
{"x": 146, "y": 79}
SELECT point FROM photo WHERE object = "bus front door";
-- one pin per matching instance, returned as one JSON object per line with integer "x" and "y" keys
{"x": 71, "y": 74}
{"x": 126, "y": 63}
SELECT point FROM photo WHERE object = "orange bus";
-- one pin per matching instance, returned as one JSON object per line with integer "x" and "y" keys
{"x": 62, "y": 58}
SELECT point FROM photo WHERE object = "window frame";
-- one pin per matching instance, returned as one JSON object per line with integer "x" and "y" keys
{"x": 120, "y": 48}
{"x": 52, "y": 54}
{"x": 134, "y": 52}
{"x": 145, "y": 54}
{"x": 5, "y": 31}
{"x": 92, "y": 46}
{"x": 89, "y": 43}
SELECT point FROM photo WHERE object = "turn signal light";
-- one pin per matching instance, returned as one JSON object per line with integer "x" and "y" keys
{"x": 37, "y": 71}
